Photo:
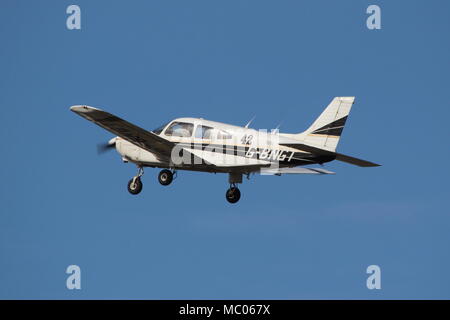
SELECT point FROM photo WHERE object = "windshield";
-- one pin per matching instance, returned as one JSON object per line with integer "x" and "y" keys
{"x": 160, "y": 129}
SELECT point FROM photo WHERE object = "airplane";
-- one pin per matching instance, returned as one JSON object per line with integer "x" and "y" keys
{"x": 197, "y": 144}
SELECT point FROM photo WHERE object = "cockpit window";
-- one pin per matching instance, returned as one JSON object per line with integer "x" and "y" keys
{"x": 203, "y": 132}
{"x": 223, "y": 135}
{"x": 180, "y": 129}
{"x": 160, "y": 129}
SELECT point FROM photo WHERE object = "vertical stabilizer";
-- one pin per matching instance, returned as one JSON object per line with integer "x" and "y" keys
{"x": 326, "y": 131}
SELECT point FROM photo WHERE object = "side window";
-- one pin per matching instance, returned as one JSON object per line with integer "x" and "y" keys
{"x": 223, "y": 135}
{"x": 180, "y": 129}
{"x": 203, "y": 132}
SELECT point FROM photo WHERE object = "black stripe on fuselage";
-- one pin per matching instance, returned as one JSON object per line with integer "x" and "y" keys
{"x": 283, "y": 157}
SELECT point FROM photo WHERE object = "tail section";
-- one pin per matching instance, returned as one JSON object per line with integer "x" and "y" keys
{"x": 326, "y": 131}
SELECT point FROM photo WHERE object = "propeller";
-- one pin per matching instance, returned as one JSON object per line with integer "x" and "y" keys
{"x": 103, "y": 147}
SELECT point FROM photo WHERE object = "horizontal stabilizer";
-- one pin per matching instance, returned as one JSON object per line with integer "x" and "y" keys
{"x": 355, "y": 161}
{"x": 279, "y": 171}
{"x": 339, "y": 156}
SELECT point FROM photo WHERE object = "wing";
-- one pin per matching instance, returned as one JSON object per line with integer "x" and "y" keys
{"x": 142, "y": 138}
{"x": 338, "y": 156}
{"x": 297, "y": 170}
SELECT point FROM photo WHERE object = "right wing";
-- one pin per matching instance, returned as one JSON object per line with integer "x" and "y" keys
{"x": 144, "y": 139}
{"x": 296, "y": 170}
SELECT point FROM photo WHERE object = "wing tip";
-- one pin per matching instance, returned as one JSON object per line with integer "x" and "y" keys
{"x": 372, "y": 164}
{"x": 347, "y": 99}
{"x": 83, "y": 109}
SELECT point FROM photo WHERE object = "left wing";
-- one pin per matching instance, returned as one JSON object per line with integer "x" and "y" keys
{"x": 144, "y": 139}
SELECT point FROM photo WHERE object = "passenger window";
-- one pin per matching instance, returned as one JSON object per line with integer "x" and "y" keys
{"x": 223, "y": 135}
{"x": 203, "y": 132}
{"x": 180, "y": 129}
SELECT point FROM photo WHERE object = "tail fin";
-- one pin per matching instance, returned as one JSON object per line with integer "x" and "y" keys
{"x": 326, "y": 131}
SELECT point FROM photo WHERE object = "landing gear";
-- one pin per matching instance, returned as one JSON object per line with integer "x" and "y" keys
{"x": 165, "y": 177}
{"x": 233, "y": 194}
{"x": 135, "y": 184}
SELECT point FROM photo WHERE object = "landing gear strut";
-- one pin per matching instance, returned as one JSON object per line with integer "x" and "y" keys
{"x": 233, "y": 194}
{"x": 135, "y": 184}
{"x": 165, "y": 177}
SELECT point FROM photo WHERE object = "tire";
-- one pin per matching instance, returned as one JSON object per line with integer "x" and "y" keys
{"x": 233, "y": 195}
{"x": 136, "y": 188}
{"x": 165, "y": 177}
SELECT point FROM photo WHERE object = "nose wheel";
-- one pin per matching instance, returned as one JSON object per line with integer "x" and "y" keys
{"x": 135, "y": 184}
{"x": 233, "y": 194}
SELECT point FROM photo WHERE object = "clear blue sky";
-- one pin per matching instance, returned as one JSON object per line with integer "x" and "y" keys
{"x": 289, "y": 237}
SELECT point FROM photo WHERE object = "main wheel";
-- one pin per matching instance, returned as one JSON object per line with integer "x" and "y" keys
{"x": 233, "y": 195}
{"x": 136, "y": 186}
{"x": 165, "y": 177}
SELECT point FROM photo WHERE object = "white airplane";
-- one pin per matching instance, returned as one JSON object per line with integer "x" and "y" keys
{"x": 201, "y": 145}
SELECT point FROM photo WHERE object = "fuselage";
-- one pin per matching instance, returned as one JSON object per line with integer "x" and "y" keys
{"x": 204, "y": 145}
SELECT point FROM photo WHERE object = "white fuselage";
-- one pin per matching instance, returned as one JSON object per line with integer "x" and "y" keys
{"x": 220, "y": 146}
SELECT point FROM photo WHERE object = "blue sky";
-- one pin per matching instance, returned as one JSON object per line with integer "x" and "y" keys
{"x": 290, "y": 237}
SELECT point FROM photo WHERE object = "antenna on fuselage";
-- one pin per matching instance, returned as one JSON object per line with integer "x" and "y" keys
{"x": 248, "y": 123}
{"x": 278, "y": 126}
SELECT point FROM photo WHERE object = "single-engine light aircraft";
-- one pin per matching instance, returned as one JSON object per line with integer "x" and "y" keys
{"x": 201, "y": 145}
